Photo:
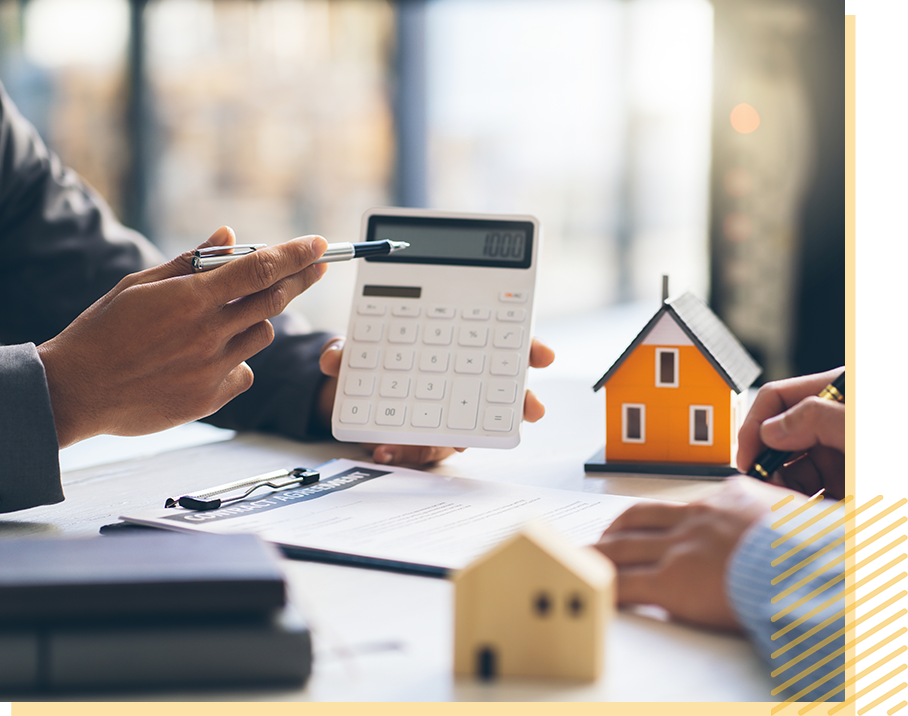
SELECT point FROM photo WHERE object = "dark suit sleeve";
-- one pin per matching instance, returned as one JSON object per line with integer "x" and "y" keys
{"x": 29, "y": 467}
{"x": 62, "y": 247}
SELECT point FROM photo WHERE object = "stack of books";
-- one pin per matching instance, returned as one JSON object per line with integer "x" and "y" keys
{"x": 147, "y": 611}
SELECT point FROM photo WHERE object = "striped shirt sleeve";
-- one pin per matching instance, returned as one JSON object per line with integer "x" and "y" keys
{"x": 786, "y": 588}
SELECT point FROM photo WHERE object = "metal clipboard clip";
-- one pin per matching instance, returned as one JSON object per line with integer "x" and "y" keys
{"x": 278, "y": 480}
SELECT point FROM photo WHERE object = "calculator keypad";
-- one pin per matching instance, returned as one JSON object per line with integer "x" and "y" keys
{"x": 435, "y": 367}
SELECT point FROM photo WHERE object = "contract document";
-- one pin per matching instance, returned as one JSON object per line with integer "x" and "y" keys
{"x": 397, "y": 518}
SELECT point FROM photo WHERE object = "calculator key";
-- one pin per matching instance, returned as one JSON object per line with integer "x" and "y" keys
{"x": 513, "y": 296}
{"x": 426, "y": 416}
{"x": 473, "y": 335}
{"x": 399, "y": 359}
{"x": 508, "y": 337}
{"x": 433, "y": 361}
{"x": 359, "y": 384}
{"x": 362, "y": 356}
{"x": 390, "y": 414}
{"x": 469, "y": 362}
{"x": 355, "y": 412}
{"x": 477, "y": 314}
{"x": 410, "y": 310}
{"x": 436, "y": 333}
{"x": 371, "y": 309}
{"x": 394, "y": 386}
{"x": 441, "y": 312}
{"x": 430, "y": 388}
{"x": 368, "y": 329}
{"x": 504, "y": 364}
{"x": 464, "y": 403}
{"x": 402, "y": 332}
{"x": 511, "y": 314}
{"x": 501, "y": 391}
{"x": 498, "y": 419}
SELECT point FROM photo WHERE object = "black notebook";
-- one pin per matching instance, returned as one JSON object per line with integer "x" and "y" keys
{"x": 130, "y": 576}
{"x": 272, "y": 649}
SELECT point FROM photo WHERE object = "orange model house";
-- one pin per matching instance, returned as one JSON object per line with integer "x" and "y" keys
{"x": 675, "y": 398}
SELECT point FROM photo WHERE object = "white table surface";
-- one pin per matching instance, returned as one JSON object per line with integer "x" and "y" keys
{"x": 381, "y": 636}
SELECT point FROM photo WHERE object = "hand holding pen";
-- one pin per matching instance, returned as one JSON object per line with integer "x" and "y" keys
{"x": 166, "y": 346}
{"x": 803, "y": 425}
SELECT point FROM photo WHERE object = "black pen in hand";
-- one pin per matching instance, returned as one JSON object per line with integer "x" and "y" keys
{"x": 771, "y": 460}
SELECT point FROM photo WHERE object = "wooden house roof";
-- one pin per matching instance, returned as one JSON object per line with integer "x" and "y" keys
{"x": 584, "y": 563}
{"x": 708, "y": 333}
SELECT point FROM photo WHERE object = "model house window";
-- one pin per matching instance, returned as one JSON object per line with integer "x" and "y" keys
{"x": 667, "y": 367}
{"x": 701, "y": 425}
{"x": 633, "y": 423}
{"x": 542, "y": 604}
{"x": 575, "y": 605}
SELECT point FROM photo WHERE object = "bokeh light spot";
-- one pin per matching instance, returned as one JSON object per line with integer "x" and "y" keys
{"x": 737, "y": 226}
{"x": 738, "y": 182}
{"x": 745, "y": 118}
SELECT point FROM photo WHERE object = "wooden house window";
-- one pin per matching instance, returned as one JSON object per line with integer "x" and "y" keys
{"x": 542, "y": 604}
{"x": 633, "y": 423}
{"x": 575, "y": 605}
{"x": 701, "y": 425}
{"x": 667, "y": 367}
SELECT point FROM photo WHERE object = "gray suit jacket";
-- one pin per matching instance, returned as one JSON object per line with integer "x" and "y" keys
{"x": 62, "y": 248}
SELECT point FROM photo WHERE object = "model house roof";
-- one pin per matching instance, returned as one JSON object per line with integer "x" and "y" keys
{"x": 584, "y": 563}
{"x": 708, "y": 333}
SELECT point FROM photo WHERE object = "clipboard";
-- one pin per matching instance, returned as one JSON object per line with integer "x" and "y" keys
{"x": 397, "y": 519}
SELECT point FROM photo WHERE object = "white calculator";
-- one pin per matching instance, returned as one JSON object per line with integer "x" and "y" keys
{"x": 439, "y": 338}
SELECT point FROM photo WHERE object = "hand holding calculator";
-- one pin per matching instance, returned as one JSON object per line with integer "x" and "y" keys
{"x": 439, "y": 335}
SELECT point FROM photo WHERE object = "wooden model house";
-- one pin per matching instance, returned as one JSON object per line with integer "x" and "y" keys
{"x": 675, "y": 398}
{"x": 533, "y": 606}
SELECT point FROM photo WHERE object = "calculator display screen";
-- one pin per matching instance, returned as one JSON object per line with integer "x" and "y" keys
{"x": 458, "y": 242}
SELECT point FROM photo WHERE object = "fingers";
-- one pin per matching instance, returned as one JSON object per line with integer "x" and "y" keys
{"x": 541, "y": 355}
{"x": 265, "y": 269}
{"x": 772, "y": 399}
{"x": 641, "y": 585}
{"x": 533, "y": 410}
{"x": 820, "y": 468}
{"x": 239, "y": 380}
{"x": 270, "y": 302}
{"x": 634, "y": 547}
{"x": 247, "y": 343}
{"x": 330, "y": 359}
{"x": 648, "y": 515}
{"x": 410, "y": 454}
{"x": 813, "y": 421}
{"x": 637, "y": 556}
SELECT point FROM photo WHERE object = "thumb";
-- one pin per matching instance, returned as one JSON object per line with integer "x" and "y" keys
{"x": 330, "y": 359}
{"x": 811, "y": 422}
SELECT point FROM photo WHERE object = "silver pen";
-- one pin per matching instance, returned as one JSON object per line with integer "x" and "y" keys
{"x": 213, "y": 256}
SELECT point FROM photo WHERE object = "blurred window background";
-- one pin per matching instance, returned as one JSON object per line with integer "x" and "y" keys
{"x": 650, "y": 137}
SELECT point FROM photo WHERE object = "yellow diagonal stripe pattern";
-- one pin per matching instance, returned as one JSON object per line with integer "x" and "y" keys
{"x": 819, "y": 595}
{"x": 882, "y": 605}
